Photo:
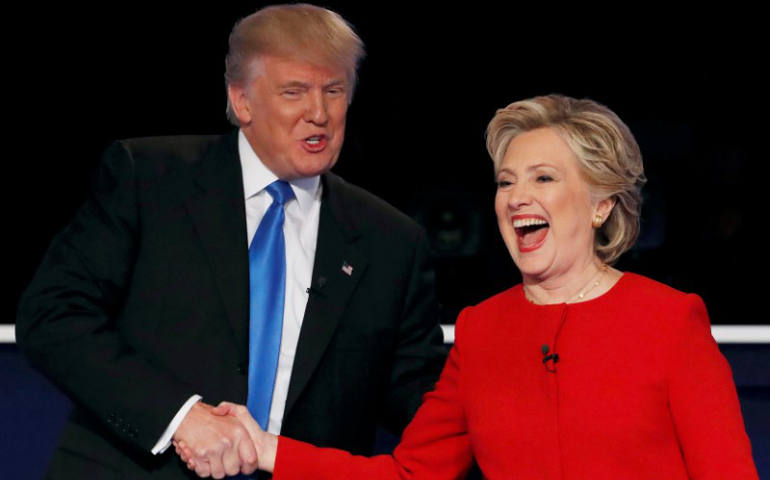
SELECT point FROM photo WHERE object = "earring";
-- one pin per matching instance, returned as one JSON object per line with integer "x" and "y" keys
{"x": 597, "y": 221}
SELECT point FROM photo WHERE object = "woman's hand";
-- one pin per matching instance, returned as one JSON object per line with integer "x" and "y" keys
{"x": 265, "y": 443}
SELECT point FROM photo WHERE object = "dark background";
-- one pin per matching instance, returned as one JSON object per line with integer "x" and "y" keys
{"x": 688, "y": 84}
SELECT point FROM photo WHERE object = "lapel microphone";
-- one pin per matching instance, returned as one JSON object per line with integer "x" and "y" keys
{"x": 320, "y": 283}
{"x": 548, "y": 357}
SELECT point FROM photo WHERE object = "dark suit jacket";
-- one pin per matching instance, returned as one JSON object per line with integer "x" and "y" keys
{"x": 143, "y": 301}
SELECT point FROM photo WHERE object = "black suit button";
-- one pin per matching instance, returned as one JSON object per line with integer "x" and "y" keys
{"x": 242, "y": 368}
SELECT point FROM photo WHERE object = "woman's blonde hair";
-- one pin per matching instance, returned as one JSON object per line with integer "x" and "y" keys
{"x": 607, "y": 153}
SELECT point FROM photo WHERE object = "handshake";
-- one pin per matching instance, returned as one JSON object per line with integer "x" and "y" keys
{"x": 224, "y": 440}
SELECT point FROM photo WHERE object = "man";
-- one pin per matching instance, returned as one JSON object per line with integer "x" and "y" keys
{"x": 150, "y": 307}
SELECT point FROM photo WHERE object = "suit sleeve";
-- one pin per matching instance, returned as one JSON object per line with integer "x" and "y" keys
{"x": 68, "y": 318}
{"x": 434, "y": 446}
{"x": 420, "y": 353}
{"x": 704, "y": 403}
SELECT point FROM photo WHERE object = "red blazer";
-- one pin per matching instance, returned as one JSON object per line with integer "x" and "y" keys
{"x": 640, "y": 391}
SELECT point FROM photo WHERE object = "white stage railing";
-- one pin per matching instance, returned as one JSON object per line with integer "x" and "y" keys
{"x": 722, "y": 333}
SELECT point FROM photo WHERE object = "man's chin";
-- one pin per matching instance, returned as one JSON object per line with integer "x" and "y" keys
{"x": 313, "y": 166}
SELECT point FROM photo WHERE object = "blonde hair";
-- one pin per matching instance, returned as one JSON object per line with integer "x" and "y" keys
{"x": 298, "y": 31}
{"x": 607, "y": 153}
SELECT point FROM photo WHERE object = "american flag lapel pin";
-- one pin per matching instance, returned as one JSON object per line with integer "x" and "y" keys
{"x": 347, "y": 268}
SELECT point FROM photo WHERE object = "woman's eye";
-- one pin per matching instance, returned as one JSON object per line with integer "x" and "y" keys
{"x": 544, "y": 178}
{"x": 503, "y": 183}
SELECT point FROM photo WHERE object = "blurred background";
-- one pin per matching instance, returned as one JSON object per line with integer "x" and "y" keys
{"x": 689, "y": 84}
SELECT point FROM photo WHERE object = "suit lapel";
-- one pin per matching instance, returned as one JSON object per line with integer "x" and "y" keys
{"x": 218, "y": 211}
{"x": 337, "y": 268}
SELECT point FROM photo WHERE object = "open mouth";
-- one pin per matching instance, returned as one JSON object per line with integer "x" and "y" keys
{"x": 315, "y": 143}
{"x": 530, "y": 232}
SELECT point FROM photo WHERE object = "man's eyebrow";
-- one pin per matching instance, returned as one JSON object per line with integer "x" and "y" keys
{"x": 294, "y": 83}
{"x": 300, "y": 84}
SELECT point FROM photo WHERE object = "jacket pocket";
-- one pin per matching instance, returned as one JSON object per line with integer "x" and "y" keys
{"x": 84, "y": 454}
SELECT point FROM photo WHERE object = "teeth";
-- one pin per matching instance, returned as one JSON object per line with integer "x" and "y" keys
{"x": 528, "y": 222}
{"x": 314, "y": 140}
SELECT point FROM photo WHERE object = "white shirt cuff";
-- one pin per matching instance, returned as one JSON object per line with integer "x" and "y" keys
{"x": 168, "y": 434}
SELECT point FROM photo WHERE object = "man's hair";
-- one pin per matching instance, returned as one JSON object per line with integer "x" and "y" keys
{"x": 299, "y": 31}
{"x": 606, "y": 152}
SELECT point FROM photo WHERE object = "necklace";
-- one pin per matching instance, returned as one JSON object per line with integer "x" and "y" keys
{"x": 593, "y": 283}
{"x": 590, "y": 285}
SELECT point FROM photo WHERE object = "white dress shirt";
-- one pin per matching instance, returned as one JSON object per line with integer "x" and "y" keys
{"x": 300, "y": 230}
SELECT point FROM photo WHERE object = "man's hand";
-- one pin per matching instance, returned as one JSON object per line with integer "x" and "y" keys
{"x": 266, "y": 444}
{"x": 216, "y": 444}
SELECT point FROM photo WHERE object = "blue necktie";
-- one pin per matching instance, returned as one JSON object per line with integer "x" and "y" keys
{"x": 267, "y": 285}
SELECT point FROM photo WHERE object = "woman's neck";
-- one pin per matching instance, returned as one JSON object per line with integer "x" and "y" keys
{"x": 585, "y": 283}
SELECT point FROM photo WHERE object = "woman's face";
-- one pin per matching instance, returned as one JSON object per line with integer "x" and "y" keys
{"x": 544, "y": 207}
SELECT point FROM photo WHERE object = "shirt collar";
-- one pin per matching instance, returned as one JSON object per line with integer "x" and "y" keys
{"x": 256, "y": 176}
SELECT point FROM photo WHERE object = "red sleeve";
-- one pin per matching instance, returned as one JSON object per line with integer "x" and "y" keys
{"x": 704, "y": 403}
{"x": 435, "y": 445}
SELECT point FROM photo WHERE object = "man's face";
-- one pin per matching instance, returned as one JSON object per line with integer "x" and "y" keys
{"x": 293, "y": 114}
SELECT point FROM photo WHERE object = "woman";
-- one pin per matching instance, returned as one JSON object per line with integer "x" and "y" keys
{"x": 581, "y": 371}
